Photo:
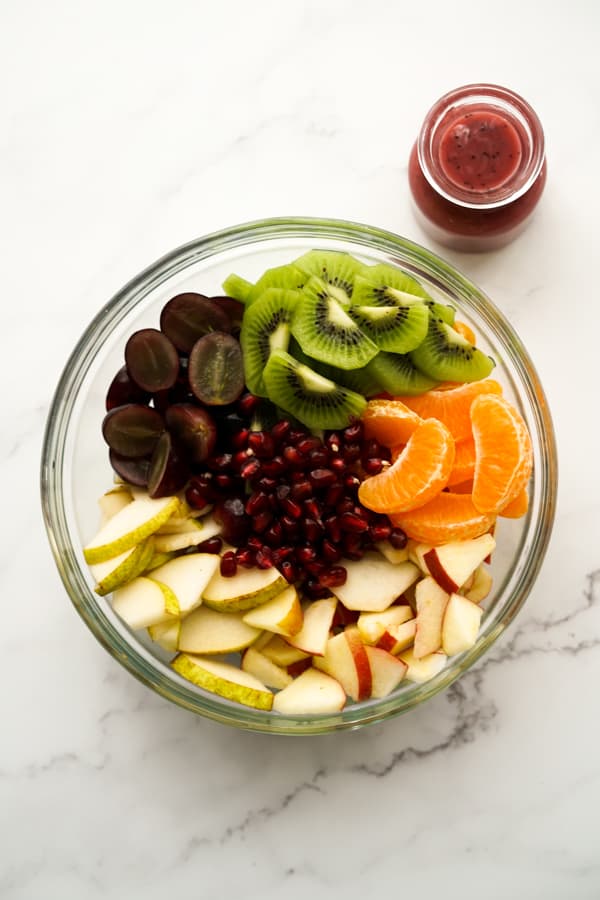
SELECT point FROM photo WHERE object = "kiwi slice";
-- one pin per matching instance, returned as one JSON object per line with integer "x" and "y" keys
{"x": 316, "y": 401}
{"x": 326, "y": 332}
{"x": 286, "y": 277}
{"x": 265, "y": 327}
{"x": 358, "y": 380}
{"x": 447, "y": 356}
{"x": 383, "y": 285}
{"x": 398, "y": 375}
{"x": 395, "y": 328}
{"x": 237, "y": 287}
{"x": 336, "y": 269}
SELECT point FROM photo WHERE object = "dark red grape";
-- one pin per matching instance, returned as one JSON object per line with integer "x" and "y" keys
{"x": 235, "y": 523}
{"x": 133, "y": 471}
{"x": 152, "y": 360}
{"x": 216, "y": 371}
{"x": 187, "y": 317}
{"x": 123, "y": 390}
{"x": 233, "y": 308}
{"x": 132, "y": 430}
{"x": 193, "y": 428}
{"x": 168, "y": 471}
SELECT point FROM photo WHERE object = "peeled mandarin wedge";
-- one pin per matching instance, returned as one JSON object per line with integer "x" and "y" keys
{"x": 448, "y": 517}
{"x": 504, "y": 455}
{"x": 452, "y": 405}
{"x": 390, "y": 422}
{"x": 464, "y": 463}
{"x": 466, "y": 331}
{"x": 517, "y": 507}
{"x": 419, "y": 473}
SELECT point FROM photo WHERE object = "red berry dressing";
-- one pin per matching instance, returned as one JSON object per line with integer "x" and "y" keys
{"x": 480, "y": 151}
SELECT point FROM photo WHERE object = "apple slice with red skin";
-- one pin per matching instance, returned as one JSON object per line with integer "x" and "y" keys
{"x": 346, "y": 660}
{"x": 481, "y": 585}
{"x": 386, "y": 671}
{"x": 431, "y": 606}
{"x": 461, "y": 625}
{"x": 397, "y": 638}
{"x": 373, "y": 625}
{"x": 451, "y": 564}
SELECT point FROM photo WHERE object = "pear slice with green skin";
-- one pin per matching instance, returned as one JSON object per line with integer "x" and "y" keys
{"x": 197, "y": 532}
{"x": 143, "y": 602}
{"x": 166, "y": 634}
{"x": 176, "y": 525}
{"x": 133, "y": 524}
{"x": 280, "y": 615}
{"x": 256, "y": 663}
{"x": 113, "y": 502}
{"x": 187, "y": 577}
{"x": 223, "y": 679}
{"x": 207, "y": 631}
{"x": 245, "y": 590}
{"x": 119, "y": 570}
{"x": 158, "y": 559}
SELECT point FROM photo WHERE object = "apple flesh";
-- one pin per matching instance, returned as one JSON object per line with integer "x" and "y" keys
{"x": 391, "y": 553}
{"x": 373, "y": 625}
{"x": 386, "y": 671}
{"x": 423, "y": 669}
{"x": 431, "y": 606}
{"x": 461, "y": 625}
{"x": 259, "y": 665}
{"x": 281, "y": 653}
{"x": 281, "y": 615}
{"x": 346, "y": 660}
{"x": 397, "y": 638}
{"x": 452, "y": 564}
{"x": 312, "y": 637}
{"x": 224, "y": 679}
{"x": 480, "y": 586}
{"x": 373, "y": 583}
{"x": 310, "y": 693}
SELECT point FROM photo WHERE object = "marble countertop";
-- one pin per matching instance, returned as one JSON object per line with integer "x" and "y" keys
{"x": 130, "y": 128}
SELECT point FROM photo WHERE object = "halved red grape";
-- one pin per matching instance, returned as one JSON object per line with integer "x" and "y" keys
{"x": 215, "y": 370}
{"x": 124, "y": 390}
{"x": 152, "y": 360}
{"x": 133, "y": 471}
{"x": 132, "y": 430}
{"x": 193, "y": 428}
{"x": 187, "y": 317}
{"x": 168, "y": 470}
{"x": 234, "y": 309}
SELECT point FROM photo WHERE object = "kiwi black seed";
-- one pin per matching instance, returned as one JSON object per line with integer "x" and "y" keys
{"x": 397, "y": 329}
{"x": 316, "y": 401}
{"x": 383, "y": 285}
{"x": 397, "y": 374}
{"x": 446, "y": 355}
{"x": 338, "y": 270}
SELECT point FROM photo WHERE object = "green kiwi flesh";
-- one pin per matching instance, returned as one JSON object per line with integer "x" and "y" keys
{"x": 265, "y": 327}
{"x": 397, "y": 329}
{"x": 398, "y": 375}
{"x": 326, "y": 332}
{"x": 237, "y": 287}
{"x": 446, "y": 355}
{"x": 358, "y": 380}
{"x": 316, "y": 401}
{"x": 383, "y": 285}
{"x": 288, "y": 277}
{"x": 336, "y": 269}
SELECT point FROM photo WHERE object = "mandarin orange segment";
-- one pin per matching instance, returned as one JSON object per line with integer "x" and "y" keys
{"x": 448, "y": 517}
{"x": 465, "y": 487}
{"x": 389, "y": 421}
{"x": 466, "y": 331}
{"x": 464, "y": 462}
{"x": 419, "y": 473}
{"x": 452, "y": 406}
{"x": 503, "y": 451}
{"x": 517, "y": 507}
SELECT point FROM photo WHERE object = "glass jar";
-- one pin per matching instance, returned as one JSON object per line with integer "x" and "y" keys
{"x": 477, "y": 169}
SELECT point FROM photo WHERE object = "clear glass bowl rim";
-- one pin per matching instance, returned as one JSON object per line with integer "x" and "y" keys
{"x": 69, "y": 561}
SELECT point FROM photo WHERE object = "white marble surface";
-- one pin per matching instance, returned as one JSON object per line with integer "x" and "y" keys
{"x": 129, "y": 128}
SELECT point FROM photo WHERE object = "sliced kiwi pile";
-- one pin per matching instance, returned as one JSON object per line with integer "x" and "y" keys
{"x": 323, "y": 333}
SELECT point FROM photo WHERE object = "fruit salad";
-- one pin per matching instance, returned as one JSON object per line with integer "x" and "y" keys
{"x": 308, "y": 476}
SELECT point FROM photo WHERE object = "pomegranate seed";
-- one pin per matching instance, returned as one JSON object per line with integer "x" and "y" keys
{"x": 266, "y": 484}
{"x": 313, "y": 529}
{"x": 371, "y": 448}
{"x": 315, "y": 567}
{"x": 256, "y": 503}
{"x": 282, "y": 491}
{"x": 318, "y": 458}
{"x": 245, "y": 558}
{"x": 262, "y": 521}
{"x": 250, "y": 468}
{"x": 302, "y": 490}
{"x": 333, "y": 442}
{"x": 334, "y": 577}
{"x": 274, "y": 534}
{"x": 228, "y": 565}
{"x": 334, "y": 495}
{"x": 398, "y": 539}
{"x": 264, "y": 558}
{"x": 254, "y": 543}
{"x": 353, "y": 432}
{"x": 212, "y": 545}
{"x": 275, "y": 466}
{"x": 345, "y": 505}
{"x": 332, "y": 526}
{"x": 306, "y": 554}
{"x": 352, "y": 545}
{"x": 307, "y": 444}
{"x": 296, "y": 476}
{"x": 262, "y": 444}
{"x": 196, "y": 498}
{"x": 322, "y": 478}
{"x": 351, "y": 452}
{"x": 296, "y": 435}
{"x": 273, "y": 503}
{"x": 380, "y": 532}
{"x": 282, "y": 553}
{"x": 353, "y": 523}
{"x": 247, "y": 404}
{"x": 312, "y": 508}
{"x": 291, "y": 507}
{"x": 224, "y": 482}
{"x": 314, "y": 590}
{"x": 373, "y": 465}
{"x": 240, "y": 459}
{"x": 239, "y": 440}
{"x": 330, "y": 551}
{"x": 338, "y": 465}
{"x": 288, "y": 571}
{"x": 351, "y": 482}
{"x": 220, "y": 463}
{"x": 290, "y": 527}
{"x": 280, "y": 431}
{"x": 293, "y": 457}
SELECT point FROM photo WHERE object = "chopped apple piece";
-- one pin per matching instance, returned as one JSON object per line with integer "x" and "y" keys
{"x": 119, "y": 570}
{"x": 372, "y": 625}
{"x": 421, "y": 670}
{"x": 373, "y": 583}
{"x": 113, "y": 502}
{"x": 245, "y": 590}
{"x": 281, "y": 653}
{"x": 223, "y": 679}
{"x": 312, "y": 637}
{"x": 451, "y": 564}
{"x": 187, "y": 576}
{"x": 281, "y": 615}
{"x": 481, "y": 585}
{"x": 397, "y": 638}
{"x": 386, "y": 671}
{"x": 311, "y": 692}
{"x": 461, "y": 625}
{"x": 259, "y": 665}
{"x": 346, "y": 660}
{"x": 416, "y": 552}
{"x": 391, "y": 553}
{"x": 431, "y": 606}
{"x": 166, "y": 634}
{"x": 207, "y": 631}
{"x": 130, "y": 526}
{"x": 144, "y": 602}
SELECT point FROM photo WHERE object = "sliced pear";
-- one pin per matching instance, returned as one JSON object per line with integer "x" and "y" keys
{"x": 391, "y": 553}
{"x": 187, "y": 577}
{"x": 208, "y": 631}
{"x": 144, "y": 602}
{"x": 280, "y": 652}
{"x": 311, "y": 692}
{"x": 245, "y": 590}
{"x": 177, "y": 525}
{"x": 158, "y": 559}
{"x": 113, "y": 502}
{"x": 118, "y": 571}
{"x": 133, "y": 524}
{"x": 166, "y": 634}
{"x": 314, "y": 634}
{"x": 259, "y": 665}
{"x": 372, "y": 583}
{"x": 225, "y": 680}
{"x": 281, "y": 615}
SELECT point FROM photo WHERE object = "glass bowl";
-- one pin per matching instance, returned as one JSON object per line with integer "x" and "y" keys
{"x": 75, "y": 469}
